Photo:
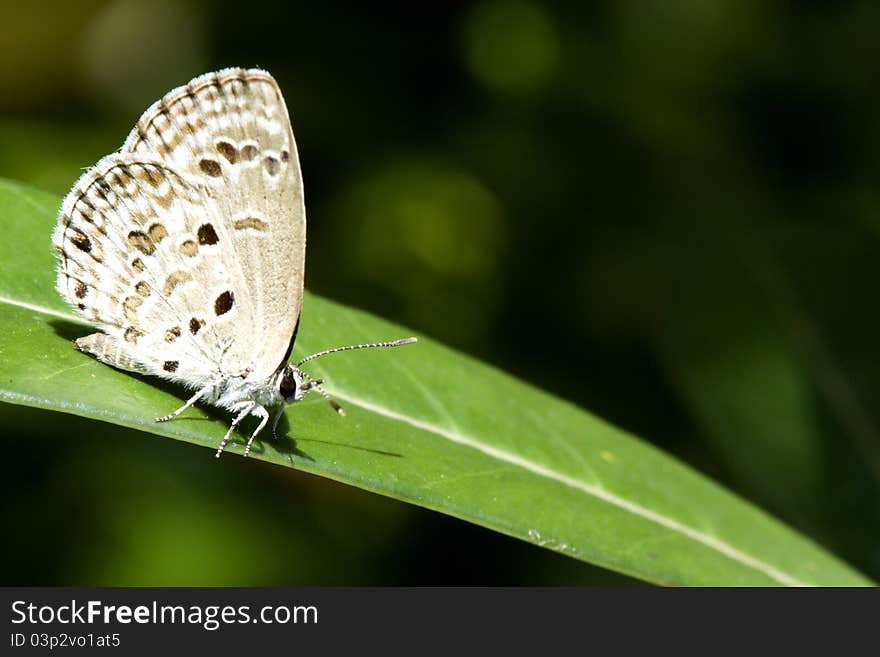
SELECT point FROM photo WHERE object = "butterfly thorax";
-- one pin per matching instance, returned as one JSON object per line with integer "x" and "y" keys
{"x": 284, "y": 386}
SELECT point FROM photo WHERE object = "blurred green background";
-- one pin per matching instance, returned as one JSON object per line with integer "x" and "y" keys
{"x": 666, "y": 212}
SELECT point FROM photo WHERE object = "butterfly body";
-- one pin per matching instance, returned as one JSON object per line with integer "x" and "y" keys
{"x": 186, "y": 248}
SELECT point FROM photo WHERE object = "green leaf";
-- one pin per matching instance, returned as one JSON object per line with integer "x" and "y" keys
{"x": 425, "y": 425}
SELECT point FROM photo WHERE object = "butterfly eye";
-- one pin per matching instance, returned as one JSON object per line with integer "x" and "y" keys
{"x": 287, "y": 388}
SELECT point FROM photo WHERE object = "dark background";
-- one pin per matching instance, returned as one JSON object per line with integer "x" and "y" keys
{"x": 666, "y": 212}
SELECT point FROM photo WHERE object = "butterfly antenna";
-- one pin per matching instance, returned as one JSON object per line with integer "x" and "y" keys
{"x": 315, "y": 384}
{"x": 392, "y": 343}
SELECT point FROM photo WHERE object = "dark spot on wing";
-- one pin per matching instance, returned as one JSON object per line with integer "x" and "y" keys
{"x": 82, "y": 242}
{"x": 223, "y": 303}
{"x": 272, "y": 165}
{"x": 142, "y": 242}
{"x": 155, "y": 175}
{"x": 121, "y": 176}
{"x": 188, "y": 248}
{"x": 228, "y": 151}
{"x": 157, "y": 232}
{"x": 207, "y": 235}
{"x": 195, "y": 325}
{"x": 130, "y": 306}
{"x": 170, "y": 365}
{"x": 132, "y": 335}
{"x": 210, "y": 167}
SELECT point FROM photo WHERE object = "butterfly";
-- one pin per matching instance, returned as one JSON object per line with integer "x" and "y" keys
{"x": 186, "y": 249}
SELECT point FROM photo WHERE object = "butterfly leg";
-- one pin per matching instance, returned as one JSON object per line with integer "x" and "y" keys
{"x": 192, "y": 400}
{"x": 275, "y": 419}
{"x": 246, "y": 408}
{"x": 263, "y": 414}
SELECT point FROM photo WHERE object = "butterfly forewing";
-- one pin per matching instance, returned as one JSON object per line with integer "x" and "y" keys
{"x": 203, "y": 207}
{"x": 231, "y": 131}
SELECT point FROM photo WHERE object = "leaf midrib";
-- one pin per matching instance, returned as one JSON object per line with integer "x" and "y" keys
{"x": 535, "y": 468}
{"x": 584, "y": 487}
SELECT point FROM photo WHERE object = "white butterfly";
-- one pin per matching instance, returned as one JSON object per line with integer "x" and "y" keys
{"x": 187, "y": 248}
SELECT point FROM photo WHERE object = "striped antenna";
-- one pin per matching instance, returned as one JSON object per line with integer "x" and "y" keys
{"x": 393, "y": 343}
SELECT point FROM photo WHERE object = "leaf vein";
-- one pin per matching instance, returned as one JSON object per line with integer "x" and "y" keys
{"x": 536, "y": 468}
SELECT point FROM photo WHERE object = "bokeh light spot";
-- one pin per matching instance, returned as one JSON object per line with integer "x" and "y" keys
{"x": 510, "y": 46}
{"x": 434, "y": 237}
{"x": 125, "y": 54}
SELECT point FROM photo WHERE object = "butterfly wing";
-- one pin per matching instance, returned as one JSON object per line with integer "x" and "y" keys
{"x": 126, "y": 241}
{"x": 206, "y": 195}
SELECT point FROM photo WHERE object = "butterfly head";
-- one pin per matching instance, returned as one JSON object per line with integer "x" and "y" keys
{"x": 290, "y": 384}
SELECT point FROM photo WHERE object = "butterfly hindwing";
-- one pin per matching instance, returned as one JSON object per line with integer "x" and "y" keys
{"x": 130, "y": 260}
